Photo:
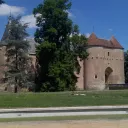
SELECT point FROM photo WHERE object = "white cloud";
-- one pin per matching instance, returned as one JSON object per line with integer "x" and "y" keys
{"x": 70, "y": 14}
{"x": 80, "y": 34}
{"x": 7, "y": 9}
{"x": 110, "y": 29}
{"x": 30, "y": 19}
{"x": 38, "y": 15}
{"x": 87, "y": 35}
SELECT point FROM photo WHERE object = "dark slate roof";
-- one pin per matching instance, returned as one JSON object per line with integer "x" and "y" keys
{"x": 93, "y": 40}
{"x": 33, "y": 44}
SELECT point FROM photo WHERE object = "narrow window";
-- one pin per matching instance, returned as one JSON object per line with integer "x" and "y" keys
{"x": 108, "y": 53}
{"x": 95, "y": 76}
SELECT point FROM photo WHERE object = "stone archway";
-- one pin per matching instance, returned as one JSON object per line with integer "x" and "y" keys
{"x": 108, "y": 74}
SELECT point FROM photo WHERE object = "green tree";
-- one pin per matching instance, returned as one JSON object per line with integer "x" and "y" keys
{"x": 126, "y": 66}
{"x": 16, "y": 52}
{"x": 58, "y": 53}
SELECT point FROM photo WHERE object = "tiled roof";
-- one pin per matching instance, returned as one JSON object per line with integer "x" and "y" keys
{"x": 93, "y": 40}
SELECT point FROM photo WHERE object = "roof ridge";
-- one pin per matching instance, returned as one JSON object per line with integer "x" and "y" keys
{"x": 112, "y": 43}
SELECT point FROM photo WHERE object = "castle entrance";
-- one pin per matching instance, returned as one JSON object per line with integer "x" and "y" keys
{"x": 108, "y": 75}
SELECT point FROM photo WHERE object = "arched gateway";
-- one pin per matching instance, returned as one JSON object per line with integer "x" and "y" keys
{"x": 108, "y": 75}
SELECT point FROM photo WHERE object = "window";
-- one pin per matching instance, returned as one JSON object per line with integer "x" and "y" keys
{"x": 95, "y": 76}
{"x": 108, "y": 53}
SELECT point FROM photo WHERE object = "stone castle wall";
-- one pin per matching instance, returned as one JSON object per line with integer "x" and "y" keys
{"x": 92, "y": 75}
{"x": 2, "y": 61}
{"x": 93, "y": 69}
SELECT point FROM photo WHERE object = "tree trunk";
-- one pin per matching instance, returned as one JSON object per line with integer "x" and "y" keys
{"x": 16, "y": 60}
{"x": 15, "y": 88}
{"x": 16, "y": 80}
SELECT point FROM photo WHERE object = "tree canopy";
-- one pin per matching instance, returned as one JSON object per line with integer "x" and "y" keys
{"x": 126, "y": 66}
{"x": 16, "y": 51}
{"x": 60, "y": 47}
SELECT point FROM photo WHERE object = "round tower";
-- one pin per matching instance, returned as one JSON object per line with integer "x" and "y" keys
{"x": 104, "y": 65}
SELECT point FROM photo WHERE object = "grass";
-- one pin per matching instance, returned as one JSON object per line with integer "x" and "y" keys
{"x": 64, "y": 118}
{"x": 10, "y": 100}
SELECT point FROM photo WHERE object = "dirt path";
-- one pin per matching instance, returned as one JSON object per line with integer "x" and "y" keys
{"x": 68, "y": 124}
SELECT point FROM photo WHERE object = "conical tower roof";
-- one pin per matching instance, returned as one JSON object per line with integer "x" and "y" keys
{"x": 93, "y": 40}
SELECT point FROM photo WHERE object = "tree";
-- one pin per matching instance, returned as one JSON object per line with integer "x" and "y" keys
{"x": 126, "y": 66}
{"x": 16, "y": 52}
{"x": 1, "y": 2}
{"x": 58, "y": 53}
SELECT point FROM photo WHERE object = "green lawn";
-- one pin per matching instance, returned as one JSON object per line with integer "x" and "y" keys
{"x": 10, "y": 100}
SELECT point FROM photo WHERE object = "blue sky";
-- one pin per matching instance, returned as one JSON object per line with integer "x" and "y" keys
{"x": 109, "y": 17}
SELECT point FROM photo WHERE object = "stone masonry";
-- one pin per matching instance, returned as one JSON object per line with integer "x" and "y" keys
{"x": 104, "y": 65}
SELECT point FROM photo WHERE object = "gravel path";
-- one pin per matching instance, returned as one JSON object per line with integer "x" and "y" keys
{"x": 68, "y": 124}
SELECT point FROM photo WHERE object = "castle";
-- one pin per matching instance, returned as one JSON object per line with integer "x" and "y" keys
{"x": 104, "y": 65}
